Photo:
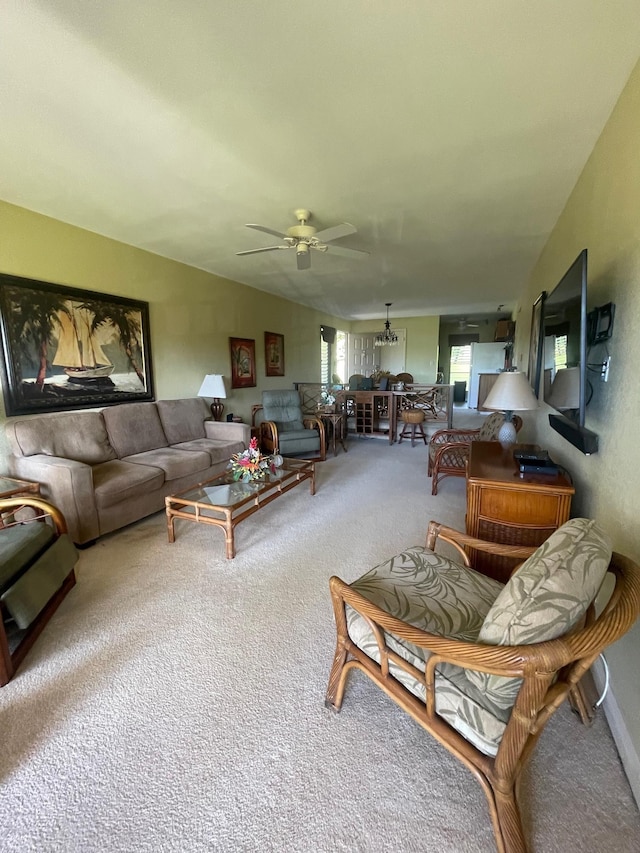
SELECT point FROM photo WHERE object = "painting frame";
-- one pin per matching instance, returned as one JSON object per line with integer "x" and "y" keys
{"x": 46, "y": 368}
{"x": 535, "y": 343}
{"x": 273, "y": 354}
{"x": 243, "y": 362}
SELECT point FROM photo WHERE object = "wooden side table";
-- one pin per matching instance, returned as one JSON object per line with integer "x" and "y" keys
{"x": 9, "y": 488}
{"x": 338, "y": 421}
{"x": 506, "y": 506}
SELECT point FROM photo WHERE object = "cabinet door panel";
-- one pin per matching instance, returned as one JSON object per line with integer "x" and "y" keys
{"x": 530, "y": 508}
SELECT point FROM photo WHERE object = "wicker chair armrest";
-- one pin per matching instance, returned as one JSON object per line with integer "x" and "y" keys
{"x": 255, "y": 408}
{"x": 312, "y": 422}
{"x": 459, "y": 541}
{"x": 269, "y": 433}
{"x": 449, "y": 436}
{"x": 509, "y": 661}
{"x": 456, "y": 453}
{"x": 44, "y": 508}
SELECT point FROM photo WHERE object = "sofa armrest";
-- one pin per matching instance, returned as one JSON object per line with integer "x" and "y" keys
{"x": 66, "y": 484}
{"x": 228, "y": 431}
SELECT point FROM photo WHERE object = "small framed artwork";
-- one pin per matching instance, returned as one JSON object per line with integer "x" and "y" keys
{"x": 273, "y": 354}
{"x": 535, "y": 345}
{"x": 243, "y": 362}
{"x": 69, "y": 348}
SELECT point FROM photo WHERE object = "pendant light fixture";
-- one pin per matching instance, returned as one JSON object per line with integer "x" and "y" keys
{"x": 386, "y": 338}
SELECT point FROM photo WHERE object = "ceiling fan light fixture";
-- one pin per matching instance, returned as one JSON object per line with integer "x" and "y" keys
{"x": 386, "y": 338}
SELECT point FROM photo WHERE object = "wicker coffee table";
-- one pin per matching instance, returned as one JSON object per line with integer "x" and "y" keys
{"x": 225, "y": 504}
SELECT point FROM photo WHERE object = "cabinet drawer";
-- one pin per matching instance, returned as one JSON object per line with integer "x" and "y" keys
{"x": 530, "y": 508}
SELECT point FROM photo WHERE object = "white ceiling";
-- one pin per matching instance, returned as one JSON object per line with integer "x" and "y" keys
{"x": 450, "y": 134}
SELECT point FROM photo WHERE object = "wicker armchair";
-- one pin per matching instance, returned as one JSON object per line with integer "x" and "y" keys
{"x": 449, "y": 448}
{"x": 481, "y": 666}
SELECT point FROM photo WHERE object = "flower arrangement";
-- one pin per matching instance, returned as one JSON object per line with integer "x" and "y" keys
{"x": 328, "y": 397}
{"x": 251, "y": 464}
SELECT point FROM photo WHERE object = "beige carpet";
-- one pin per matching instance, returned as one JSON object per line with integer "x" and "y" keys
{"x": 175, "y": 701}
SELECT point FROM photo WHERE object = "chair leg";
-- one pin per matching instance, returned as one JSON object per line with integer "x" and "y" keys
{"x": 335, "y": 690}
{"x": 507, "y": 823}
{"x": 580, "y": 706}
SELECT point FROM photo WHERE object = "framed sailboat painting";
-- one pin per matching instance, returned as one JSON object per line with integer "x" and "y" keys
{"x": 66, "y": 348}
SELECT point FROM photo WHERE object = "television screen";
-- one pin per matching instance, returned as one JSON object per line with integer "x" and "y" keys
{"x": 564, "y": 352}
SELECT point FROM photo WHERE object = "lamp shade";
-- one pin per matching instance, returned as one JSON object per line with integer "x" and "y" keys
{"x": 565, "y": 389}
{"x": 511, "y": 393}
{"x": 212, "y": 386}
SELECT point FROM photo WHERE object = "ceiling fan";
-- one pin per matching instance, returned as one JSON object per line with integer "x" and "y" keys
{"x": 465, "y": 324}
{"x": 304, "y": 237}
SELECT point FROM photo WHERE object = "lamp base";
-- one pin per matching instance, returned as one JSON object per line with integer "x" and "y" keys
{"x": 507, "y": 433}
{"x": 217, "y": 408}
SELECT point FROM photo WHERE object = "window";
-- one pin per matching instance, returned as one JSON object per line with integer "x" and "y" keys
{"x": 325, "y": 361}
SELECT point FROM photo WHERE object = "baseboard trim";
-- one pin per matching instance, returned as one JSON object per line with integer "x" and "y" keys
{"x": 626, "y": 749}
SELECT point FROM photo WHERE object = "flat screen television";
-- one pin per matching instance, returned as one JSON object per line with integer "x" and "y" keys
{"x": 564, "y": 356}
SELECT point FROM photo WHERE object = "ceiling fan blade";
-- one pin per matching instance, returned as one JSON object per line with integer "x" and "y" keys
{"x": 266, "y": 249}
{"x": 304, "y": 260}
{"x": 348, "y": 253}
{"x": 335, "y": 232}
{"x": 266, "y": 230}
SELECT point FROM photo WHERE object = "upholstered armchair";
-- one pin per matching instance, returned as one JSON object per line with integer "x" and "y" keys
{"x": 449, "y": 448}
{"x": 283, "y": 426}
{"x": 482, "y": 666}
{"x": 37, "y": 560}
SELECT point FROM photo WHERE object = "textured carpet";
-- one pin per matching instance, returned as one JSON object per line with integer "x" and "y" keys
{"x": 175, "y": 701}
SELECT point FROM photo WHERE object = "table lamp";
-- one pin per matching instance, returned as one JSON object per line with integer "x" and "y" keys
{"x": 565, "y": 389}
{"x": 511, "y": 393}
{"x": 213, "y": 386}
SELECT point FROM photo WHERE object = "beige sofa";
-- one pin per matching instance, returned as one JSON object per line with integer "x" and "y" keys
{"x": 107, "y": 468}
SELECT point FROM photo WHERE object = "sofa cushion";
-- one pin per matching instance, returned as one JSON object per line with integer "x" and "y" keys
{"x": 219, "y": 451}
{"x": 183, "y": 420}
{"x": 552, "y": 589}
{"x": 80, "y": 436}
{"x": 546, "y": 597}
{"x": 118, "y": 481}
{"x": 491, "y": 427}
{"x": 442, "y": 597}
{"x": 173, "y": 462}
{"x": 283, "y": 407}
{"x": 134, "y": 428}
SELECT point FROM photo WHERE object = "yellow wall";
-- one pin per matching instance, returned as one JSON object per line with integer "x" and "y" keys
{"x": 422, "y": 342}
{"x": 602, "y": 215}
{"x": 192, "y": 313}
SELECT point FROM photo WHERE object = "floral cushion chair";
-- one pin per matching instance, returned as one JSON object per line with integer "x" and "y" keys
{"x": 480, "y": 665}
{"x": 449, "y": 448}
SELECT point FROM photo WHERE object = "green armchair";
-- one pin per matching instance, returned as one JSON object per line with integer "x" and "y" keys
{"x": 283, "y": 426}
{"x": 37, "y": 560}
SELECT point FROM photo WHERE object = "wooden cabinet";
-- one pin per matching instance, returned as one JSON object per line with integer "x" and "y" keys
{"x": 506, "y": 506}
{"x": 486, "y": 381}
{"x": 367, "y": 412}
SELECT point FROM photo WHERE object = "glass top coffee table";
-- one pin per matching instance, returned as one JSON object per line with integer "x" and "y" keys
{"x": 225, "y": 503}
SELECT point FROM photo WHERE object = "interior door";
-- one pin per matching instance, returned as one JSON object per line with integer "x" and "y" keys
{"x": 361, "y": 357}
